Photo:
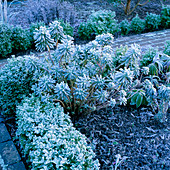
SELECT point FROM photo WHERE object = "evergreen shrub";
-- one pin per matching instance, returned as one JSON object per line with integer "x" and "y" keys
{"x": 49, "y": 140}
{"x": 152, "y": 21}
{"x": 137, "y": 24}
{"x": 125, "y": 27}
{"x": 102, "y": 21}
{"x": 5, "y": 40}
{"x": 20, "y": 39}
{"x": 16, "y": 80}
{"x": 165, "y": 16}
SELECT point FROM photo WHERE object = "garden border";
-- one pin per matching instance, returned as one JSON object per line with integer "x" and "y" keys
{"x": 8, "y": 151}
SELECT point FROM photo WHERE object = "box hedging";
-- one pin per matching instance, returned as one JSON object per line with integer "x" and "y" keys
{"x": 152, "y": 21}
{"x": 20, "y": 39}
{"x": 16, "y": 79}
{"x": 125, "y": 27}
{"x": 49, "y": 140}
{"x": 165, "y": 16}
{"x": 5, "y": 40}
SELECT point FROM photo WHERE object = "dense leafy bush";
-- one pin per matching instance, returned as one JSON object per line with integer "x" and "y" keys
{"x": 167, "y": 48}
{"x": 16, "y": 79}
{"x": 32, "y": 29}
{"x": 99, "y": 22}
{"x": 86, "y": 30}
{"x": 20, "y": 39}
{"x": 90, "y": 77}
{"x": 49, "y": 140}
{"x": 165, "y": 16}
{"x": 152, "y": 21}
{"x": 5, "y": 40}
{"x": 67, "y": 28}
{"x": 137, "y": 24}
{"x": 125, "y": 27}
{"x": 148, "y": 56}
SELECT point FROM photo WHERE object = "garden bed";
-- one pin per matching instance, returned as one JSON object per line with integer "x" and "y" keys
{"x": 142, "y": 142}
{"x": 124, "y": 137}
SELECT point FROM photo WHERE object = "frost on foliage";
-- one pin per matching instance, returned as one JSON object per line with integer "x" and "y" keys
{"x": 132, "y": 56}
{"x": 56, "y": 30}
{"x": 122, "y": 98}
{"x": 62, "y": 91}
{"x": 105, "y": 39}
{"x": 124, "y": 77}
{"x": 44, "y": 84}
{"x": 49, "y": 140}
{"x": 150, "y": 90}
{"x": 43, "y": 39}
{"x": 64, "y": 51}
{"x": 16, "y": 79}
{"x": 164, "y": 92}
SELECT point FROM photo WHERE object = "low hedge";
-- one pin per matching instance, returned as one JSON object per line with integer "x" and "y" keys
{"x": 49, "y": 140}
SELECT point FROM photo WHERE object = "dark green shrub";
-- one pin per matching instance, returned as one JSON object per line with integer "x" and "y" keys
{"x": 86, "y": 30}
{"x": 20, "y": 39}
{"x": 125, "y": 27}
{"x": 148, "y": 56}
{"x": 67, "y": 28}
{"x": 99, "y": 22}
{"x": 5, "y": 40}
{"x": 167, "y": 48}
{"x": 137, "y": 24}
{"x": 16, "y": 79}
{"x": 152, "y": 21}
{"x": 165, "y": 16}
{"x": 32, "y": 28}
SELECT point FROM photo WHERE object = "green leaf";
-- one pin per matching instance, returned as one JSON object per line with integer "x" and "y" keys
{"x": 139, "y": 100}
{"x": 133, "y": 99}
{"x": 153, "y": 69}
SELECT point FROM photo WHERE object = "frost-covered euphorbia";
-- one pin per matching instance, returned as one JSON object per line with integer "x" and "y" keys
{"x": 49, "y": 140}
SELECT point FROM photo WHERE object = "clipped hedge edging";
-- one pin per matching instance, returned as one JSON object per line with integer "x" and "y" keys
{"x": 49, "y": 140}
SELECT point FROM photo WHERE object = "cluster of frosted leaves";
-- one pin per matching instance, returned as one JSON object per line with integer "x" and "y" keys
{"x": 91, "y": 75}
{"x": 16, "y": 79}
{"x": 48, "y": 138}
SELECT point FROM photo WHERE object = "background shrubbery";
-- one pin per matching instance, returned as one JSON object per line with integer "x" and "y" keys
{"x": 103, "y": 21}
{"x": 32, "y": 11}
{"x": 17, "y": 39}
{"x": 5, "y": 39}
{"x": 98, "y": 22}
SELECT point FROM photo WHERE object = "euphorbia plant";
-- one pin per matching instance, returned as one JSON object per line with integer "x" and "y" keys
{"x": 90, "y": 77}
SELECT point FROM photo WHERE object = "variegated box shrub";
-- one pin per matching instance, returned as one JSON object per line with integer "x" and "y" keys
{"x": 49, "y": 140}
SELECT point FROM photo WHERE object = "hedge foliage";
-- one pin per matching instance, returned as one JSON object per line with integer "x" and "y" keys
{"x": 49, "y": 140}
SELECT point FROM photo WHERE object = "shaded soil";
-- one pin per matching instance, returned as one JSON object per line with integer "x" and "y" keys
{"x": 141, "y": 141}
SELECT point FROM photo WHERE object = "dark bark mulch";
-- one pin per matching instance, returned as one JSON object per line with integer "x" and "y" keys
{"x": 141, "y": 141}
